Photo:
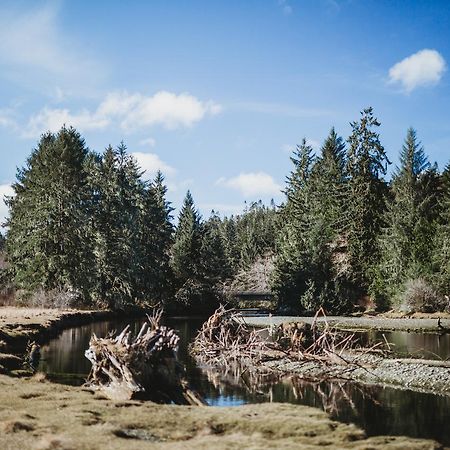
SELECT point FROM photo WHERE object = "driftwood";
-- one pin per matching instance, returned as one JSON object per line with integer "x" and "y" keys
{"x": 140, "y": 367}
{"x": 225, "y": 339}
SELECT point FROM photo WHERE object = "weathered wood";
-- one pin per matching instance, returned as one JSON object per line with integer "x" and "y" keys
{"x": 126, "y": 367}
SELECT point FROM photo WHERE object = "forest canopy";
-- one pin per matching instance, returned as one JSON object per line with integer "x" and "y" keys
{"x": 85, "y": 229}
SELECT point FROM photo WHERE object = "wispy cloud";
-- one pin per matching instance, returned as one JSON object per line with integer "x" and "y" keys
{"x": 163, "y": 108}
{"x": 148, "y": 142}
{"x": 34, "y": 48}
{"x": 251, "y": 184}
{"x": 423, "y": 68}
{"x": 285, "y": 6}
{"x": 129, "y": 111}
{"x": 53, "y": 119}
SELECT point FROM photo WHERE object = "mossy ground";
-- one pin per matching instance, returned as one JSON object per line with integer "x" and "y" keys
{"x": 36, "y": 414}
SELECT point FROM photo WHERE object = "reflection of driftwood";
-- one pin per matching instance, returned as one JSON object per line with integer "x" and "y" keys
{"x": 141, "y": 367}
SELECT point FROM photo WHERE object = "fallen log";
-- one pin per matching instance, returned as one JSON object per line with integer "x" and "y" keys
{"x": 142, "y": 367}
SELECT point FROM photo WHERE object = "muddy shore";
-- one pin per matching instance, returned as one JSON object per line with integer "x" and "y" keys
{"x": 37, "y": 414}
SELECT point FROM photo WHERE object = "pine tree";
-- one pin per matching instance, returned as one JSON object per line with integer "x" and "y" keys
{"x": 215, "y": 265}
{"x": 186, "y": 253}
{"x": 48, "y": 242}
{"x": 119, "y": 191}
{"x": 156, "y": 242}
{"x": 366, "y": 164}
{"x": 406, "y": 250}
{"x": 292, "y": 263}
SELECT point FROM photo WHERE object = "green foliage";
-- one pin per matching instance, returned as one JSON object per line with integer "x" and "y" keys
{"x": 406, "y": 249}
{"x": 48, "y": 242}
{"x": 366, "y": 163}
{"x": 307, "y": 274}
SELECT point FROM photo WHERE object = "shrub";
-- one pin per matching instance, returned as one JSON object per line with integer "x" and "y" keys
{"x": 420, "y": 296}
{"x": 60, "y": 298}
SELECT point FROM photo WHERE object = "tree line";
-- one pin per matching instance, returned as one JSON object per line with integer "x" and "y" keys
{"x": 89, "y": 225}
{"x": 348, "y": 236}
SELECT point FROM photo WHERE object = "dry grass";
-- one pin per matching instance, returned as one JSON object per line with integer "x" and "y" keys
{"x": 64, "y": 417}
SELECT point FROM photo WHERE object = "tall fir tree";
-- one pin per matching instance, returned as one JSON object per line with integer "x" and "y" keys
{"x": 118, "y": 190}
{"x": 48, "y": 241}
{"x": 406, "y": 241}
{"x": 366, "y": 165}
{"x": 215, "y": 265}
{"x": 289, "y": 280}
{"x": 157, "y": 240}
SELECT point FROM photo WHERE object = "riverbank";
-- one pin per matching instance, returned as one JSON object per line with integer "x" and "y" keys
{"x": 36, "y": 414}
{"x": 20, "y": 325}
{"x": 380, "y": 323}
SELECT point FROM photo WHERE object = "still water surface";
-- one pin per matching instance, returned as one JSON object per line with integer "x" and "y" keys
{"x": 378, "y": 410}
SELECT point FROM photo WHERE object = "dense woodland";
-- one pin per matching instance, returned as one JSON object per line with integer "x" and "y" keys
{"x": 86, "y": 230}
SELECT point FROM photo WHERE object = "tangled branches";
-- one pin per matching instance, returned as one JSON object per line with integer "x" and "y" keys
{"x": 145, "y": 366}
{"x": 225, "y": 339}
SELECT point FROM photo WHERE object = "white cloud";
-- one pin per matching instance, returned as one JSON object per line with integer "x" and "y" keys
{"x": 129, "y": 111}
{"x": 164, "y": 108}
{"x": 148, "y": 142}
{"x": 251, "y": 184}
{"x": 151, "y": 163}
{"x": 423, "y": 68}
{"x": 5, "y": 189}
{"x": 53, "y": 119}
{"x": 34, "y": 48}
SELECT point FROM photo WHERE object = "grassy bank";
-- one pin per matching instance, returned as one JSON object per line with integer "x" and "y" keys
{"x": 37, "y": 414}
{"x": 41, "y": 415}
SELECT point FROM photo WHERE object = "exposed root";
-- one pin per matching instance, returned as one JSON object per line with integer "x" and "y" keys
{"x": 145, "y": 366}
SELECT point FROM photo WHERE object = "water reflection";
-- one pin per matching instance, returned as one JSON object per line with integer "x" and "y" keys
{"x": 419, "y": 345}
{"x": 378, "y": 410}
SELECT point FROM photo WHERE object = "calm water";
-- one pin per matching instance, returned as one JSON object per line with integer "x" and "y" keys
{"x": 377, "y": 410}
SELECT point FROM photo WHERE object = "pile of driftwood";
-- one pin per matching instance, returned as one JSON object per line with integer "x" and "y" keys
{"x": 225, "y": 339}
{"x": 145, "y": 366}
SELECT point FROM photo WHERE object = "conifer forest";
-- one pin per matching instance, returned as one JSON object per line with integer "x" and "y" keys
{"x": 87, "y": 230}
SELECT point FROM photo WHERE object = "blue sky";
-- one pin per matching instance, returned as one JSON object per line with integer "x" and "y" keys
{"x": 217, "y": 93}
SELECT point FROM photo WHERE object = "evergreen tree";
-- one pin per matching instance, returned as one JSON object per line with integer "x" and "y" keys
{"x": 156, "y": 242}
{"x": 187, "y": 243}
{"x": 366, "y": 164}
{"x": 48, "y": 242}
{"x": 215, "y": 265}
{"x": 292, "y": 264}
{"x": 119, "y": 192}
{"x": 406, "y": 250}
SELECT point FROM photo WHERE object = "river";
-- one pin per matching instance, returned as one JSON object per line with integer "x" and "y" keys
{"x": 378, "y": 410}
